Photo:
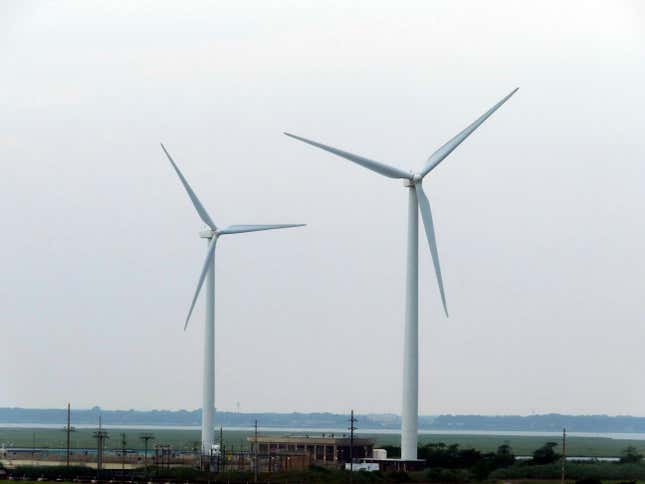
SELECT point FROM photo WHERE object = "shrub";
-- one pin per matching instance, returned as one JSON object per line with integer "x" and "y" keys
{"x": 398, "y": 476}
{"x": 589, "y": 480}
{"x": 53, "y": 472}
{"x": 578, "y": 471}
{"x": 451, "y": 476}
{"x": 631, "y": 456}
{"x": 546, "y": 454}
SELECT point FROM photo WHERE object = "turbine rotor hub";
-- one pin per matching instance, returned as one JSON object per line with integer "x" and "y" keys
{"x": 414, "y": 179}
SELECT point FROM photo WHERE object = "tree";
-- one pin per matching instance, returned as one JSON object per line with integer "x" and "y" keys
{"x": 546, "y": 454}
{"x": 504, "y": 456}
{"x": 630, "y": 455}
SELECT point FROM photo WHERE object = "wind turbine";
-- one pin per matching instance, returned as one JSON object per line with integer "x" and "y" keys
{"x": 211, "y": 234}
{"x": 417, "y": 199}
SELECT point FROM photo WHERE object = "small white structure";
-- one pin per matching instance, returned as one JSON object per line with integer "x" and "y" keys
{"x": 379, "y": 454}
{"x": 362, "y": 466}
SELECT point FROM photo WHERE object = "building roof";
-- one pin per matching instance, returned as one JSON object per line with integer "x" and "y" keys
{"x": 310, "y": 440}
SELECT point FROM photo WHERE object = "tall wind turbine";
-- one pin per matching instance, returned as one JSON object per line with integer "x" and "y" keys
{"x": 417, "y": 199}
{"x": 211, "y": 234}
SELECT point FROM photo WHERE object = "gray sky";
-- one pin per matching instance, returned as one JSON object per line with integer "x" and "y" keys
{"x": 538, "y": 213}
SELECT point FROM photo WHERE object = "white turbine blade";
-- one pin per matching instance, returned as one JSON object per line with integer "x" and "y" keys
{"x": 240, "y": 229}
{"x": 426, "y": 214}
{"x": 208, "y": 263}
{"x": 383, "y": 169}
{"x": 203, "y": 214}
{"x": 438, "y": 156}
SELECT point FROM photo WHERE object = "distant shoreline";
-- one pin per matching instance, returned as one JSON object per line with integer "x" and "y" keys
{"x": 340, "y": 431}
{"x": 313, "y": 422}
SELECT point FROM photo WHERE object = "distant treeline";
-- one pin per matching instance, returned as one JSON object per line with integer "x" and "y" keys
{"x": 552, "y": 422}
{"x": 548, "y": 422}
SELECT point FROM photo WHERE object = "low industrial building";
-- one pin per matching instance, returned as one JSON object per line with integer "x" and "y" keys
{"x": 323, "y": 449}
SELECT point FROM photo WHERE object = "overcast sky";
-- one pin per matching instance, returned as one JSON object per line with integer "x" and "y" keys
{"x": 539, "y": 214}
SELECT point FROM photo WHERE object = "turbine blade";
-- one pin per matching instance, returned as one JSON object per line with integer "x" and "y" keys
{"x": 438, "y": 156}
{"x": 203, "y": 214}
{"x": 426, "y": 214}
{"x": 240, "y": 229}
{"x": 383, "y": 169}
{"x": 208, "y": 264}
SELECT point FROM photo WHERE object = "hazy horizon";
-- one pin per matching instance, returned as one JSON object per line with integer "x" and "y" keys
{"x": 286, "y": 412}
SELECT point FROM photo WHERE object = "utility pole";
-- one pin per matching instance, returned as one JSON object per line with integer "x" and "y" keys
{"x": 68, "y": 430}
{"x": 351, "y": 429}
{"x": 123, "y": 449}
{"x": 210, "y": 464}
{"x": 255, "y": 451}
{"x": 146, "y": 437}
{"x": 100, "y": 435}
{"x": 222, "y": 456}
{"x": 564, "y": 453}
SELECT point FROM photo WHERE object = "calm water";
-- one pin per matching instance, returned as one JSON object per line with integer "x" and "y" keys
{"x": 300, "y": 430}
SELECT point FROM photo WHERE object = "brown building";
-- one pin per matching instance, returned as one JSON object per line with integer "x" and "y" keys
{"x": 326, "y": 449}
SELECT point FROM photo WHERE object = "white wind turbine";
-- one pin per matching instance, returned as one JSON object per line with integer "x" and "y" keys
{"x": 416, "y": 199}
{"x": 211, "y": 233}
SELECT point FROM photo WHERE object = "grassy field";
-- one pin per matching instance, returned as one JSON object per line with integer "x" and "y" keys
{"x": 188, "y": 439}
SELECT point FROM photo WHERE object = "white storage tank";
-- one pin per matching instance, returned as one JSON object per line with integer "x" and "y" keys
{"x": 380, "y": 454}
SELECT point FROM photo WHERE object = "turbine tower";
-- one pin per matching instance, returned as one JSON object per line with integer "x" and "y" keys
{"x": 211, "y": 234}
{"x": 417, "y": 199}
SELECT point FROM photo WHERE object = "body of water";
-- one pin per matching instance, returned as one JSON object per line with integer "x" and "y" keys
{"x": 340, "y": 431}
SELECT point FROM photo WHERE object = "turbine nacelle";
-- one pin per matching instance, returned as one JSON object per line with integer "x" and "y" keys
{"x": 208, "y": 234}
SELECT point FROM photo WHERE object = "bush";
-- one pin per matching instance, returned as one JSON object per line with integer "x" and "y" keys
{"x": 578, "y": 471}
{"x": 631, "y": 456}
{"x": 179, "y": 473}
{"x": 451, "y": 476}
{"x": 398, "y": 476}
{"x": 589, "y": 480}
{"x": 53, "y": 472}
{"x": 546, "y": 454}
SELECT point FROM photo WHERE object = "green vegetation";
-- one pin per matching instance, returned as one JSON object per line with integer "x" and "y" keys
{"x": 53, "y": 472}
{"x": 452, "y": 464}
{"x": 546, "y": 454}
{"x": 631, "y": 455}
{"x": 521, "y": 472}
{"x": 188, "y": 474}
{"x": 574, "y": 470}
{"x": 188, "y": 439}
{"x": 452, "y": 459}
